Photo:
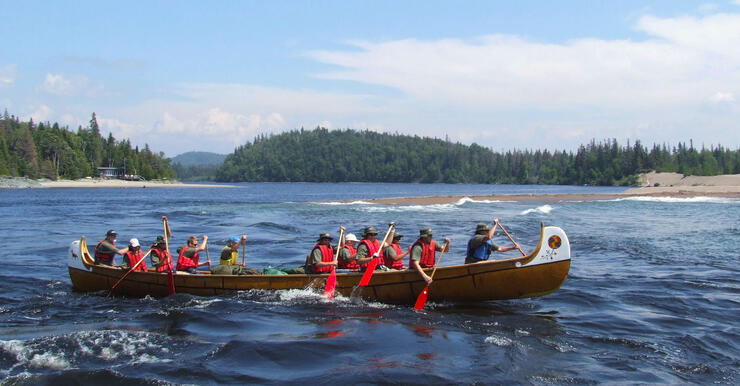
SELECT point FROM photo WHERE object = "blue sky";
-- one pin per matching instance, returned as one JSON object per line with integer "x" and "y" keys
{"x": 185, "y": 75}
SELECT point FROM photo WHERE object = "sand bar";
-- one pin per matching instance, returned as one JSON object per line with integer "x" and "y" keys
{"x": 668, "y": 185}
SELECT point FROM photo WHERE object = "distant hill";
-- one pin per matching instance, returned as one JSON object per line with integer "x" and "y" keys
{"x": 199, "y": 158}
{"x": 321, "y": 155}
{"x": 197, "y": 165}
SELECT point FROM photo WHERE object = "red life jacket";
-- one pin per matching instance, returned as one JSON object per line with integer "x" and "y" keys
{"x": 372, "y": 247}
{"x": 326, "y": 256}
{"x": 390, "y": 263}
{"x": 104, "y": 258}
{"x": 352, "y": 264}
{"x": 163, "y": 256}
{"x": 184, "y": 262}
{"x": 427, "y": 254}
{"x": 134, "y": 258}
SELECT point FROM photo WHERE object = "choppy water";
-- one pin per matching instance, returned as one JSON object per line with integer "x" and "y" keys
{"x": 653, "y": 293}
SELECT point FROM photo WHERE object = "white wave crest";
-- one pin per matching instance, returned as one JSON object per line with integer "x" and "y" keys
{"x": 712, "y": 200}
{"x": 498, "y": 340}
{"x": 544, "y": 209}
{"x": 67, "y": 351}
{"x": 467, "y": 199}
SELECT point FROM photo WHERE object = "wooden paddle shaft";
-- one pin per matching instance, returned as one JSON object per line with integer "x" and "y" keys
{"x": 131, "y": 269}
{"x": 512, "y": 239}
{"x": 444, "y": 248}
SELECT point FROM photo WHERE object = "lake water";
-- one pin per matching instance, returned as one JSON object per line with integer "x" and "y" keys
{"x": 653, "y": 293}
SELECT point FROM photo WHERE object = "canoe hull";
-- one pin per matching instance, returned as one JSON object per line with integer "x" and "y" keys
{"x": 539, "y": 273}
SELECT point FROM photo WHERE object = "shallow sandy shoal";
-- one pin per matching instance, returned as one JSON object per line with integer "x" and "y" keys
{"x": 95, "y": 183}
{"x": 677, "y": 191}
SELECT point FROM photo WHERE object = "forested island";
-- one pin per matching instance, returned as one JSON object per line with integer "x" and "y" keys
{"x": 321, "y": 155}
{"x": 45, "y": 150}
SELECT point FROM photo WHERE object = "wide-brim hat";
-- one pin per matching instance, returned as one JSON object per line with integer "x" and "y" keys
{"x": 370, "y": 230}
{"x": 325, "y": 235}
{"x": 350, "y": 237}
{"x": 425, "y": 232}
{"x": 397, "y": 235}
{"x": 482, "y": 227}
{"x": 159, "y": 240}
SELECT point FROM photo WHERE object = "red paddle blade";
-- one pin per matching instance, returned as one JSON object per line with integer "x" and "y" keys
{"x": 422, "y": 299}
{"x": 171, "y": 282}
{"x": 368, "y": 272}
{"x": 331, "y": 284}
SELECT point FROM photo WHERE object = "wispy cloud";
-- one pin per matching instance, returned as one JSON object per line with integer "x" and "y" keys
{"x": 75, "y": 85}
{"x": 7, "y": 75}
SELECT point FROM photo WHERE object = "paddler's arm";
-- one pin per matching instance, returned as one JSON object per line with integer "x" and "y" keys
{"x": 362, "y": 254}
{"x": 414, "y": 264}
{"x": 445, "y": 247}
{"x": 317, "y": 259}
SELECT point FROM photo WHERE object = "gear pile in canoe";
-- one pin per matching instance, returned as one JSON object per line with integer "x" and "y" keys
{"x": 537, "y": 273}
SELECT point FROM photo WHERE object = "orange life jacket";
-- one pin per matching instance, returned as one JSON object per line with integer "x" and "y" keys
{"x": 184, "y": 262}
{"x": 134, "y": 258}
{"x": 163, "y": 256}
{"x": 372, "y": 247}
{"x": 427, "y": 254}
{"x": 390, "y": 263}
{"x": 326, "y": 256}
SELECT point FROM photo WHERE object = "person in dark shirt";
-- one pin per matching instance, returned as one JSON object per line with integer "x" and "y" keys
{"x": 106, "y": 249}
{"x": 481, "y": 245}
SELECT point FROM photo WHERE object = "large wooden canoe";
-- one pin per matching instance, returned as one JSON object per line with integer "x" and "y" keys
{"x": 538, "y": 273}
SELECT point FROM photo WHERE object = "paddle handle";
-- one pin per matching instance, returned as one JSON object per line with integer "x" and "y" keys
{"x": 339, "y": 244}
{"x": 512, "y": 239}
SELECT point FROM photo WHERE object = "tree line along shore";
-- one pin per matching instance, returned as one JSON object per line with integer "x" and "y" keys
{"x": 48, "y": 150}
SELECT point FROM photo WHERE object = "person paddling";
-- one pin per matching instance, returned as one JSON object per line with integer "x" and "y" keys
{"x": 133, "y": 256}
{"x": 348, "y": 253}
{"x": 481, "y": 245}
{"x": 369, "y": 248}
{"x": 423, "y": 252}
{"x": 160, "y": 257}
{"x": 393, "y": 254}
{"x": 230, "y": 253}
{"x": 106, "y": 249}
{"x": 321, "y": 259}
{"x": 187, "y": 260}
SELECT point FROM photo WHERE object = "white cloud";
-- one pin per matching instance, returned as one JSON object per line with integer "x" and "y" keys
{"x": 7, "y": 75}
{"x": 76, "y": 85}
{"x": 56, "y": 84}
{"x": 501, "y": 91}
{"x": 42, "y": 113}
{"x": 722, "y": 97}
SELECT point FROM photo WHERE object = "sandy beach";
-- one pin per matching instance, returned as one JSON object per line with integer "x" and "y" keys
{"x": 22, "y": 182}
{"x": 99, "y": 183}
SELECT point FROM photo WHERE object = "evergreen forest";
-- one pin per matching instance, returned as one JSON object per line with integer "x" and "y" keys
{"x": 321, "y": 155}
{"x": 46, "y": 150}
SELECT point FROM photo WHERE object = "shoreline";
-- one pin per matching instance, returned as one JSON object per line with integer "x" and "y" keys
{"x": 26, "y": 183}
